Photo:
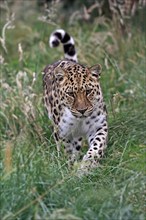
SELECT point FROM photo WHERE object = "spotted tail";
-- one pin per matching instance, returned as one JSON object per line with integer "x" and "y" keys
{"x": 68, "y": 43}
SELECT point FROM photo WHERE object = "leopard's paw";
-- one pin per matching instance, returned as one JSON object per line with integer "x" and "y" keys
{"x": 85, "y": 167}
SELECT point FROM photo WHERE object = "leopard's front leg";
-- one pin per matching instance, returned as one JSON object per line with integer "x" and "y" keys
{"x": 97, "y": 143}
{"x": 72, "y": 147}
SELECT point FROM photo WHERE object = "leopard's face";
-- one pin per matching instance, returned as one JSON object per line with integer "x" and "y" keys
{"x": 79, "y": 89}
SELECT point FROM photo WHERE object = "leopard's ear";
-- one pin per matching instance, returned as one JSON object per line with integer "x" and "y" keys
{"x": 59, "y": 74}
{"x": 96, "y": 70}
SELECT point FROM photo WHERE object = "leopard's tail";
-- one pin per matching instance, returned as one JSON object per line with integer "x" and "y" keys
{"x": 68, "y": 43}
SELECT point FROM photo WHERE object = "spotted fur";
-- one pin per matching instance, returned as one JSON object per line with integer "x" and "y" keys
{"x": 74, "y": 102}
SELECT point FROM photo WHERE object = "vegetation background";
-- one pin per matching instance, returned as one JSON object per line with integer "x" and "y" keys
{"x": 35, "y": 183}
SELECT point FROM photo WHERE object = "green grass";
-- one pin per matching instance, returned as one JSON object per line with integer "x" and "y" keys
{"x": 35, "y": 182}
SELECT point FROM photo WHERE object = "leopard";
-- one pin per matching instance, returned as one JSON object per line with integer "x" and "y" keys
{"x": 74, "y": 102}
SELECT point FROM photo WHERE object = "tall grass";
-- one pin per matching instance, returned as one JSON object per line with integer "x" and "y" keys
{"x": 35, "y": 182}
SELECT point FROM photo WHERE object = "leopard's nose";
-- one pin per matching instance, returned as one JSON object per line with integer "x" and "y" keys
{"x": 82, "y": 111}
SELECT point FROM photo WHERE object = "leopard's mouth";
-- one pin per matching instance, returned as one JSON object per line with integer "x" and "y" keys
{"x": 80, "y": 115}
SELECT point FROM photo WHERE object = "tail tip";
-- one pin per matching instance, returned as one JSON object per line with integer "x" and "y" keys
{"x": 53, "y": 42}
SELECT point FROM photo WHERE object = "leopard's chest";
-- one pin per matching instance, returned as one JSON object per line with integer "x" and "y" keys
{"x": 70, "y": 126}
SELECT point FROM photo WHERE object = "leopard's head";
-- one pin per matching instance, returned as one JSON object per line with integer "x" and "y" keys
{"x": 79, "y": 88}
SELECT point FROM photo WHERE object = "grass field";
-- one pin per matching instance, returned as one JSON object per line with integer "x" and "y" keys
{"x": 35, "y": 183}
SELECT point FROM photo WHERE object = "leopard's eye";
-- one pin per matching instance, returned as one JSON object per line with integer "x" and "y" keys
{"x": 88, "y": 91}
{"x": 70, "y": 94}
